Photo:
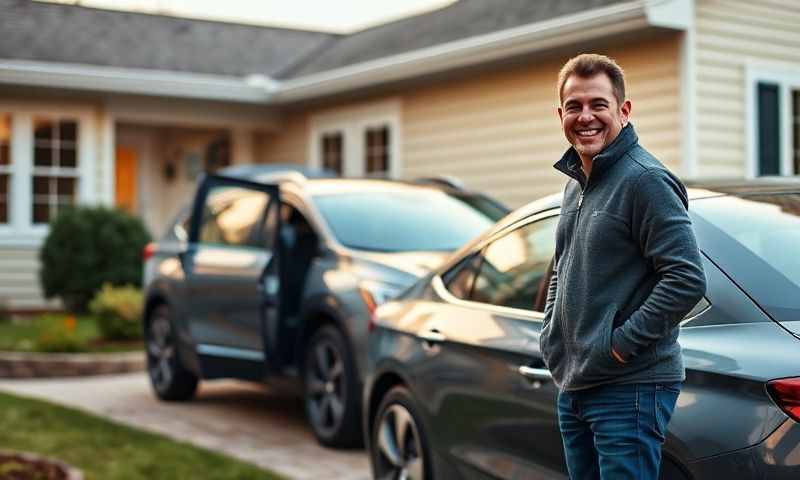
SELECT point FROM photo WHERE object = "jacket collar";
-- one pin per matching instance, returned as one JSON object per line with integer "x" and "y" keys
{"x": 570, "y": 163}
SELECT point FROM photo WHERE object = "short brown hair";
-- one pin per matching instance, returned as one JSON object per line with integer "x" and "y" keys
{"x": 587, "y": 65}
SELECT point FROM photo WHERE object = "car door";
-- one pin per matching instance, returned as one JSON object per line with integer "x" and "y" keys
{"x": 493, "y": 399}
{"x": 231, "y": 268}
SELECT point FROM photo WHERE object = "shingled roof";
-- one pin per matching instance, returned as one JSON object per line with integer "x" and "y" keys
{"x": 462, "y": 19}
{"x": 48, "y": 32}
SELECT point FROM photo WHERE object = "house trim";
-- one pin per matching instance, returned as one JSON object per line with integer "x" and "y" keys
{"x": 253, "y": 89}
{"x": 787, "y": 76}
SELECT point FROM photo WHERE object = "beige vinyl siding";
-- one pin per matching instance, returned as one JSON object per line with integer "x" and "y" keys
{"x": 19, "y": 280}
{"x": 729, "y": 35}
{"x": 499, "y": 131}
{"x": 287, "y": 145}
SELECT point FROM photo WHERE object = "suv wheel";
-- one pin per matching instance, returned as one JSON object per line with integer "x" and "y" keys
{"x": 332, "y": 399}
{"x": 398, "y": 448}
{"x": 170, "y": 379}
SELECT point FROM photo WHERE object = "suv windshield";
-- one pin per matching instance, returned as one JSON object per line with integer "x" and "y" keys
{"x": 404, "y": 221}
{"x": 754, "y": 238}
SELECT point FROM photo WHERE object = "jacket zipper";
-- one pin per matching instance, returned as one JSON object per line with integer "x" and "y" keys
{"x": 569, "y": 257}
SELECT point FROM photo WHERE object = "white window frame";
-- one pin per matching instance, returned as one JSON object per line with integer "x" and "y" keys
{"x": 787, "y": 77}
{"x": 21, "y": 231}
{"x": 353, "y": 122}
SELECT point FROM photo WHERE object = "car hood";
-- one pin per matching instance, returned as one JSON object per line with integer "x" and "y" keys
{"x": 416, "y": 264}
{"x": 793, "y": 327}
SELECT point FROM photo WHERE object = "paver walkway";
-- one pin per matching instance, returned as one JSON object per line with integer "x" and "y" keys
{"x": 240, "y": 419}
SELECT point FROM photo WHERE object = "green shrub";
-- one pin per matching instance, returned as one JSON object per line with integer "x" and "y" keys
{"x": 119, "y": 312}
{"x": 87, "y": 247}
{"x": 60, "y": 336}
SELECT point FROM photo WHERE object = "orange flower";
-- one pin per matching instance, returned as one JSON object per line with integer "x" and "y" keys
{"x": 70, "y": 323}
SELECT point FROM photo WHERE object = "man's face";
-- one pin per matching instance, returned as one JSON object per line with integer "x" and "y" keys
{"x": 590, "y": 115}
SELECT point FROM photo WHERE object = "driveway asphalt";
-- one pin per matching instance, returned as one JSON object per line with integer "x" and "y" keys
{"x": 240, "y": 419}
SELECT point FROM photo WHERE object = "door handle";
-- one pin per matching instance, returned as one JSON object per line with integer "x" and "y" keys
{"x": 535, "y": 374}
{"x": 433, "y": 336}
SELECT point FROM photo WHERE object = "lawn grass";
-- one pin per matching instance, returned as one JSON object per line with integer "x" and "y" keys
{"x": 109, "y": 451}
{"x": 21, "y": 335}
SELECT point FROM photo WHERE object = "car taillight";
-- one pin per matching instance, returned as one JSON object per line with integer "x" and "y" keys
{"x": 786, "y": 393}
{"x": 369, "y": 301}
{"x": 148, "y": 251}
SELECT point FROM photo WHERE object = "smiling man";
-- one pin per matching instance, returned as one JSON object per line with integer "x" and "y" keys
{"x": 626, "y": 271}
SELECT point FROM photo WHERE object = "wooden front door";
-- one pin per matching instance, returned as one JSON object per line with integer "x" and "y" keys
{"x": 126, "y": 172}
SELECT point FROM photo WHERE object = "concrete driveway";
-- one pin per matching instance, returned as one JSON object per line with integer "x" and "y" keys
{"x": 242, "y": 420}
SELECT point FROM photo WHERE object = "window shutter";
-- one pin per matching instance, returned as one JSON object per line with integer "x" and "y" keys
{"x": 769, "y": 129}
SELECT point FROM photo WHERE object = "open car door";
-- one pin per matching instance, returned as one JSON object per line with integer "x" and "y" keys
{"x": 232, "y": 268}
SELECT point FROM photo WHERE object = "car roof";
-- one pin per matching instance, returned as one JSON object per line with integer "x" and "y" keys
{"x": 319, "y": 181}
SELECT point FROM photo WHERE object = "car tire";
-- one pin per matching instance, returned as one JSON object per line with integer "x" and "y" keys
{"x": 332, "y": 395}
{"x": 170, "y": 380}
{"x": 399, "y": 445}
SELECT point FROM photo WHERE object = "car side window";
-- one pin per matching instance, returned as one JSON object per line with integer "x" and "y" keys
{"x": 515, "y": 266}
{"x": 459, "y": 279}
{"x": 231, "y": 215}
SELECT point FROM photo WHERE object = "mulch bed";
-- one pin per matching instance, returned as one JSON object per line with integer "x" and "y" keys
{"x": 18, "y": 466}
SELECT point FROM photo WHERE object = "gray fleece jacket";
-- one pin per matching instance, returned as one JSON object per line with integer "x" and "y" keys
{"x": 626, "y": 271}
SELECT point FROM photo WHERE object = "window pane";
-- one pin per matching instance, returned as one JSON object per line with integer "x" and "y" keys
{"x": 65, "y": 186}
{"x": 769, "y": 139}
{"x": 514, "y": 268}
{"x": 41, "y": 213}
{"x": 4, "y": 197}
{"x": 43, "y": 157}
{"x": 5, "y": 154}
{"x": 42, "y": 129}
{"x": 68, "y": 130}
{"x": 230, "y": 215}
{"x": 41, "y": 185}
{"x": 332, "y": 152}
{"x": 68, "y": 157}
{"x": 377, "y": 150}
{"x": 459, "y": 279}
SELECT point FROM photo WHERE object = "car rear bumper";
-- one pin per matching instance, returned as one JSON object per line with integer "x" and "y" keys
{"x": 777, "y": 457}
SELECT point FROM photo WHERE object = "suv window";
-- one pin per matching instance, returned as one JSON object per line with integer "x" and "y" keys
{"x": 419, "y": 219}
{"x": 230, "y": 215}
{"x": 515, "y": 266}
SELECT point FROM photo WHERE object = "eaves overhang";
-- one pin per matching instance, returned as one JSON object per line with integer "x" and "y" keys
{"x": 557, "y": 32}
{"x": 253, "y": 89}
{"x": 258, "y": 89}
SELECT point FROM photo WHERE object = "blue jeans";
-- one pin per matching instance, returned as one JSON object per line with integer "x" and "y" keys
{"x": 616, "y": 431}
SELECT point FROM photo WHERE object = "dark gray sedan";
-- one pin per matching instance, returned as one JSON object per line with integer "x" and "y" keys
{"x": 457, "y": 387}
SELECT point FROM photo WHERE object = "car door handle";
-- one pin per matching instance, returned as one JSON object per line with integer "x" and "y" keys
{"x": 535, "y": 374}
{"x": 433, "y": 336}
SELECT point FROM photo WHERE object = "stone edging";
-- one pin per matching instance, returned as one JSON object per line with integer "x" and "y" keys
{"x": 72, "y": 472}
{"x": 42, "y": 365}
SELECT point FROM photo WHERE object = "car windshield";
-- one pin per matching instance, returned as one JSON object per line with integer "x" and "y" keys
{"x": 754, "y": 239}
{"x": 403, "y": 221}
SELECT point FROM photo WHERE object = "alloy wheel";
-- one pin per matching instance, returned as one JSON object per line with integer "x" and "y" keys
{"x": 399, "y": 451}
{"x": 325, "y": 387}
{"x": 160, "y": 349}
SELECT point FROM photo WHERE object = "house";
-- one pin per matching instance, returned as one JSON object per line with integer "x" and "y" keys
{"x": 127, "y": 109}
